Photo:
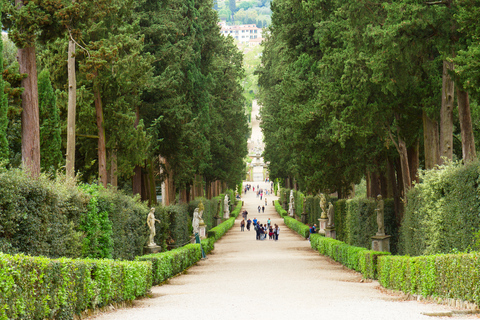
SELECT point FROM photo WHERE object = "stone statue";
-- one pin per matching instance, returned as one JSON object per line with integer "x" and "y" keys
{"x": 331, "y": 215}
{"x": 151, "y": 224}
{"x": 226, "y": 209}
{"x": 196, "y": 221}
{"x": 291, "y": 205}
{"x": 380, "y": 216}
{"x": 323, "y": 206}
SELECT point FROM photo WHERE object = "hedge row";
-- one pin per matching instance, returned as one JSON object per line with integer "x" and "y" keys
{"x": 454, "y": 276}
{"x": 441, "y": 215}
{"x": 167, "y": 264}
{"x": 355, "y": 219}
{"x": 297, "y": 226}
{"x": 40, "y": 288}
{"x": 356, "y": 258}
{"x": 222, "y": 228}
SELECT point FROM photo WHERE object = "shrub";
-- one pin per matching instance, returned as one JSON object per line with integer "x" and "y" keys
{"x": 167, "y": 264}
{"x": 39, "y": 288}
{"x": 297, "y": 226}
{"x": 441, "y": 215}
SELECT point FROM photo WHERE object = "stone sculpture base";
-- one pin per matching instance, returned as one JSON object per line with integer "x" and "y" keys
{"x": 322, "y": 225}
{"x": 151, "y": 249}
{"x": 203, "y": 231}
{"x": 330, "y": 233}
{"x": 381, "y": 243}
{"x": 226, "y": 215}
{"x": 218, "y": 219}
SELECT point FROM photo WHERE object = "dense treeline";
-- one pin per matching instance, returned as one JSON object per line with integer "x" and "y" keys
{"x": 154, "y": 87}
{"x": 354, "y": 89}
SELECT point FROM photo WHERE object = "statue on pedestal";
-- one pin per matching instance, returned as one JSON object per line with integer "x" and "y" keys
{"x": 331, "y": 215}
{"x": 380, "y": 216}
{"x": 226, "y": 209}
{"x": 151, "y": 225}
{"x": 291, "y": 205}
{"x": 196, "y": 221}
{"x": 323, "y": 206}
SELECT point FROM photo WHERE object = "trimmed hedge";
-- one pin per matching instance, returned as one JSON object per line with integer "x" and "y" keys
{"x": 441, "y": 215}
{"x": 167, "y": 264}
{"x": 39, "y": 288}
{"x": 356, "y": 258}
{"x": 454, "y": 276}
{"x": 297, "y": 226}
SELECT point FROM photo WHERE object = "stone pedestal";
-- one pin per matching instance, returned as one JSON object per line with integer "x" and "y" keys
{"x": 151, "y": 249}
{"x": 203, "y": 231}
{"x": 304, "y": 218}
{"x": 330, "y": 233}
{"x": 322, "y": 225}
{"x": 226, "y": 215}
{"x": 218, "y": 219}
{"x": 381, "y": 243}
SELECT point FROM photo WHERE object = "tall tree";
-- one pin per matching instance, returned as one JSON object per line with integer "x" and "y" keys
{"x": 4, "y": 149}
{"x": 50, "y": 133}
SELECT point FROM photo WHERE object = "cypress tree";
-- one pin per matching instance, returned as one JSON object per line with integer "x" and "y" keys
{"x": 4, "y": 152}
{"x": 50, "y": 134}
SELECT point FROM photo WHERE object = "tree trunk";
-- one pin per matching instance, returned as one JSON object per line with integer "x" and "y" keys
{"x": 137, "y": 181}
{"x": 113, "y": 168}
{"x": 413, "y": 161}
{"x": 152, "y": 190}
{"x": 102, "y": 151}
{"x": 30, "y": 113}
{"x": 137, "y": 172}
{"x": 406, "y": 181}
{"x": 464, "y": 116}
{"x": 446, "y": 113}
{"x": 431, "y": 142}
{"x": 72, "y": 106}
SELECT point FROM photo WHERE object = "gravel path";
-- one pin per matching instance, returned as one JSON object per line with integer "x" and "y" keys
{"x": 248, "y": 279}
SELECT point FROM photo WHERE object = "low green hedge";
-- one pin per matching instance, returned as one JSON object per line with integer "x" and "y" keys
{"x": 454, "y": 276}
{"x": 40, "y": 288}
{"x": 167, "y": 264}
{"x": 279, "y": 209}
{"x": 297, "y": 226}
{"x": 356, "y": 258}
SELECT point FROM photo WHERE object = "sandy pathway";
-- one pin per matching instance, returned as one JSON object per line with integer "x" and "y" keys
{"x": 248, "y": 279}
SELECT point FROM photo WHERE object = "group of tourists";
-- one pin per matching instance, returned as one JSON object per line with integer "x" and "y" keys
{"x": 262, "y": 230}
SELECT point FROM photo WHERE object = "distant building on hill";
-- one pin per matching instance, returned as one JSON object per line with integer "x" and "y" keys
{"x": 245, "y": 33}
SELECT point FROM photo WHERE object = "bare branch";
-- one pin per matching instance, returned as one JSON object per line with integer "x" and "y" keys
{"x": 70, "y": 34}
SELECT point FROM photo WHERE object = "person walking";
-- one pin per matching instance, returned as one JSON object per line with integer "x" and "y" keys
{"x": 265, "y": 202}
{"x": 269, "y": 222}
{"x": 259, "y": 208}
{"x": 249, "y": 222}
{"x": 277, "y": 232}
{"x": 263, "y": 209}
{"x": 254, "y": 222}
{"x": 242, "y": 225}
{"x": 257, "y": 230}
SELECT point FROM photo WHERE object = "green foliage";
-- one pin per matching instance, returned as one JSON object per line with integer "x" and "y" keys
{"x": 442, "y": 212}
{"x": 40, "y": 288}
{"x": 297, "y": 226}
{"x": 50, "y": 134}
{"x": 167, "y": 264}
{"x": 452, "y": 276}
{"x": 4, "y": 150}
{"x": 356, "y": 258}
{"x": 96, "y": 225}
